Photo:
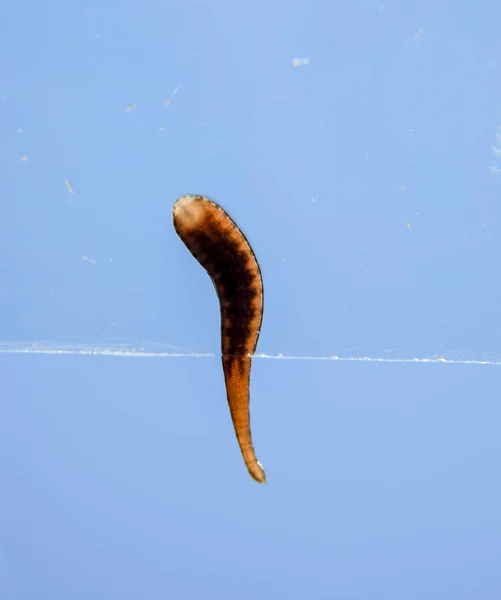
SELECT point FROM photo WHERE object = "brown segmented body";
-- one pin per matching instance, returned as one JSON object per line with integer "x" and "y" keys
{"x": 221, "y": 248}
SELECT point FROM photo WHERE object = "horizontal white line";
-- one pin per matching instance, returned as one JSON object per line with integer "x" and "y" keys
{"x": 127, "y": 351}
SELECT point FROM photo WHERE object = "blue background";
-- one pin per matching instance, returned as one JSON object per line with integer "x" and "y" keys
{"x": 368, "y": 184}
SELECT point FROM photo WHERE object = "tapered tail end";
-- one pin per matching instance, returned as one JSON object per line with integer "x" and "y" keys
{"x": 256, "y": 471}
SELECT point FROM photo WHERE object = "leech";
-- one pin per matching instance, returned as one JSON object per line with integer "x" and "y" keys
{"x": 221, "y": 248}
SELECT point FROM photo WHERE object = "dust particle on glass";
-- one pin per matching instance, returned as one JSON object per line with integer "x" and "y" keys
{"x": 176, "y": 90}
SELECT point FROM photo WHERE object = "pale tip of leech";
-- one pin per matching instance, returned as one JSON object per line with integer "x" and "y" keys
{"x": 257, "y": 472}
{"x": 189, "y": 211}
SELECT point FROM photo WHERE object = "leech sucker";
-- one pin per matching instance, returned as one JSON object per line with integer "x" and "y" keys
{"x": 221, "y": 248}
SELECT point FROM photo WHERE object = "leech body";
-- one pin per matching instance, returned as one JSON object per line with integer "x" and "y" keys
{"x": 221, "y": 248}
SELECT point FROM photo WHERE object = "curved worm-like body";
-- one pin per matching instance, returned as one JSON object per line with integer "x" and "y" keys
{"x": 222, "y": 249}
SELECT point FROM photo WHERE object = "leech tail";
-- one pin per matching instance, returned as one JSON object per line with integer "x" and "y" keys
{"x": 237, "y": 378}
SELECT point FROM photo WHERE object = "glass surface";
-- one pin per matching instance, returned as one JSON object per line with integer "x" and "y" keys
{"x": 358, "y": 147}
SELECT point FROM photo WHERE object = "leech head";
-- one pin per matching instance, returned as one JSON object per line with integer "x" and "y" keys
{"x": 189, "y": 212}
